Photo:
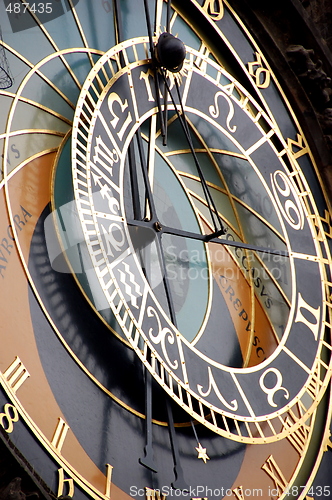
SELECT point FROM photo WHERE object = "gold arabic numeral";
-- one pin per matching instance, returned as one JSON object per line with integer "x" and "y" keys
{"x": 16, "y": 374}
{"x": 214, "y": 8}
{"x": 115, "y": 98}
{"x": 151, "y": 494}
{"x": 65, "y": 482}
{"x": 272, "y": 469}
{"x": 66, "y": 485}
{"x": 60, "y": 434}
{"x": 9, "y": 417}
{"x": 314, "y": 326}
{"x": 261, "y": 75}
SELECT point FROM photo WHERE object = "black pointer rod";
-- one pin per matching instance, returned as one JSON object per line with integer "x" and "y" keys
{"x": 182, "y": 118}
{"x": 148, "y": 459}
{"x": 168, "y": 29}
{"x": 148, "y": 191}
{"x": 179, "y": 483}
{"x": 156, "y": 79}
{"x": 209, "y": 238}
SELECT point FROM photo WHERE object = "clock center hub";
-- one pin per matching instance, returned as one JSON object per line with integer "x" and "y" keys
{"x": 158, "y": 227}
{"x": 170, "y": 52}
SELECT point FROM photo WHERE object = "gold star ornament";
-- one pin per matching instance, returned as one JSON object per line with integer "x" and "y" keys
{"x": 202, "y": 453}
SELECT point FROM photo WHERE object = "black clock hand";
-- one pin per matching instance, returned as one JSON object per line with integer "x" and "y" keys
{"x": 179, "y": 483}
{"x": 148, "y": 459}
{"x": 207, "y": 238}
{"x": 168, "y": 29}
{"x": 154, "y": 223}
{"x": 219, "y": 228}
{"x": 156, "y": 78}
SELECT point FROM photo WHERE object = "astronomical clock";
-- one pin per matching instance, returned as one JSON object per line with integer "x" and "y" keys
{"x": 165, "y": 257}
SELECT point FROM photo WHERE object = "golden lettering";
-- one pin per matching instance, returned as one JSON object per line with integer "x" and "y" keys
{"x": 151, "y": 494}
{"x": 109, "y": 470}
{"x": 238, "y": 492}
{"x": 299, "y": 437}
{"x": 214, "y": 8}
{"x": 299, "y": 144}
{"x": 9, "y": 417}
{"x": 69, "y": 482}
{"x": 272, "y": 469}
{"x": 262, "y": 75}
{"x": 200, "y": 60}
{"x": 60, "y": 433}
{"x": 16, "y": 374}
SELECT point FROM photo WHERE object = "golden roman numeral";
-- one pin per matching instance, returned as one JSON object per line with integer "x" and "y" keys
{"x": 323, "y": 225}
{"x": 315, "y": 383}
{"x": 200, "y": 62}
{"x": 60, "y": 433}
{"x": 272, "y": 469}
{"x": 299, "y": 437}
{"x": 238, "y": 492}
{"x": 16, "y": 374}
{"x": 151, "y": 494}
{"x": 109, "y": 471}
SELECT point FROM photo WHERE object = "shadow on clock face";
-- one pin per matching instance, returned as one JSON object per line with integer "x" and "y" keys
{"x": 111, "y": 429}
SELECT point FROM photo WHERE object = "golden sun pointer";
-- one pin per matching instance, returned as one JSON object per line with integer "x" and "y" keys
{"x": 202, "y": 453}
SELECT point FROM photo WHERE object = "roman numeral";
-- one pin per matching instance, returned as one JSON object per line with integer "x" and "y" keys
{"x": 151, "y": 494}
{"x": 200, "y": 62}
{"x": 60, "y": 433}
{"x": 299, "y": 437}
{"x": 272, "y": 469}
{"x": 16, "y": 374}
{"x": 238, "y": 492}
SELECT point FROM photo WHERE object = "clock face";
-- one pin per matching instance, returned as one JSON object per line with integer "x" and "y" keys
{"x": 165, "y": 258}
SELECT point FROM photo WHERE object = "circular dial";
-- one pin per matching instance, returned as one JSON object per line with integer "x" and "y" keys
{"x": 186, "y": 371}
{"x": 160, "y": 228}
